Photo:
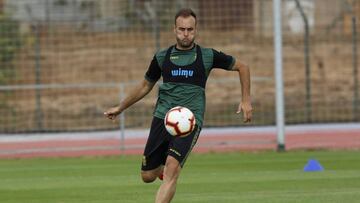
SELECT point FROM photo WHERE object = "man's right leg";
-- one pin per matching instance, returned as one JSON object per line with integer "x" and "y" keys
{"x": 155, "y": 151}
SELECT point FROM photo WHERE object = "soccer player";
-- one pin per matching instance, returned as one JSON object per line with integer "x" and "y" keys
{"x": 184, "y": 68}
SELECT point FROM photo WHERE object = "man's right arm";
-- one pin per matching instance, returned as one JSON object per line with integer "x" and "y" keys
{"x": 152, "y": 75}
{"x": 139, "y": 92}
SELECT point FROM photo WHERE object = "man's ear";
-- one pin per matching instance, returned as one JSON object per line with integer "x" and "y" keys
{"x": 174, "y": 29}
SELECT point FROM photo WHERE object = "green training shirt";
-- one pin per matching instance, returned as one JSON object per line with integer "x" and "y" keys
{"x": 192, "y": 96}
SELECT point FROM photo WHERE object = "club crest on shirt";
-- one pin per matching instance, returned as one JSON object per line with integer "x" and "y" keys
{"x": 181, "y": 72}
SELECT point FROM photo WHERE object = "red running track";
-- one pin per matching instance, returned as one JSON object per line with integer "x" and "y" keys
{"x": 211, "y": 140}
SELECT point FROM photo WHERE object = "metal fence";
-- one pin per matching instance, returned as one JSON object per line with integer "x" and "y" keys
{"x": 82, "y": 107}
{"x": 63, "y": 62}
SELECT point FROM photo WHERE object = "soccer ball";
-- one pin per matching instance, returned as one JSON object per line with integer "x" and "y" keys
{"x": 179, "y": 121}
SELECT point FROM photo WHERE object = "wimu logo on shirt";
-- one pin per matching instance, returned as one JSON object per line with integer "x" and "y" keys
{"x": 180, "y": 72}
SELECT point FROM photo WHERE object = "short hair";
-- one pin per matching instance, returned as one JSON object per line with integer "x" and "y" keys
{"x": 185, "y": 12}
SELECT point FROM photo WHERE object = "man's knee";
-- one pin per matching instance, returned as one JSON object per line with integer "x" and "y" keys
{"x": 151, "y": 175}
{"x": 172, "y": 168}
{"x": 148, "y": 177}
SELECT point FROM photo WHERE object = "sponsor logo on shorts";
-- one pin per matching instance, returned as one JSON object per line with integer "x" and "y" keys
{"x": 176, "y": 152}
{"x": 144, "y": 161}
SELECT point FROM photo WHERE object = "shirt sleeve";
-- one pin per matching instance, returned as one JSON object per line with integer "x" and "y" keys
{"x": 153, "y": 73}
{"x": 222, "y": 61}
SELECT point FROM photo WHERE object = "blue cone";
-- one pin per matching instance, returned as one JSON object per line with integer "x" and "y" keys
{"x": 313, "y": 165}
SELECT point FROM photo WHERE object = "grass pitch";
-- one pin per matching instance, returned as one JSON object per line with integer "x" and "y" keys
{"x": 266, "y": 177}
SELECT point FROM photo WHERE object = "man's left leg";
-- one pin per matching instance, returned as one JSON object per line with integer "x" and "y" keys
{"x": 167, "y": 189}
{"x": 179, "y": 150}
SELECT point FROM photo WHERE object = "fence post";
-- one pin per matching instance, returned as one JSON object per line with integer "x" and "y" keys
{"x": 38, "y": 113}
{"x": 355, "y": 71}
{"x": 280, "y": 106}
{"x": 308, "y": 101}
{"x": 155, "y": 24}
{"x": 122, "y": 120}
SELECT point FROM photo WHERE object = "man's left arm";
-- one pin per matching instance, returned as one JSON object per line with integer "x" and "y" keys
{"x": 245, "y": 104}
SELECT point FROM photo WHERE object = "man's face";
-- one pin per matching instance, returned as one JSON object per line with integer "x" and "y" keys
{"x": 185, "y": 32}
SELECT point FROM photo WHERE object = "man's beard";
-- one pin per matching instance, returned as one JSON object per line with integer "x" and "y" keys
{"x": 185, "y": 44}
